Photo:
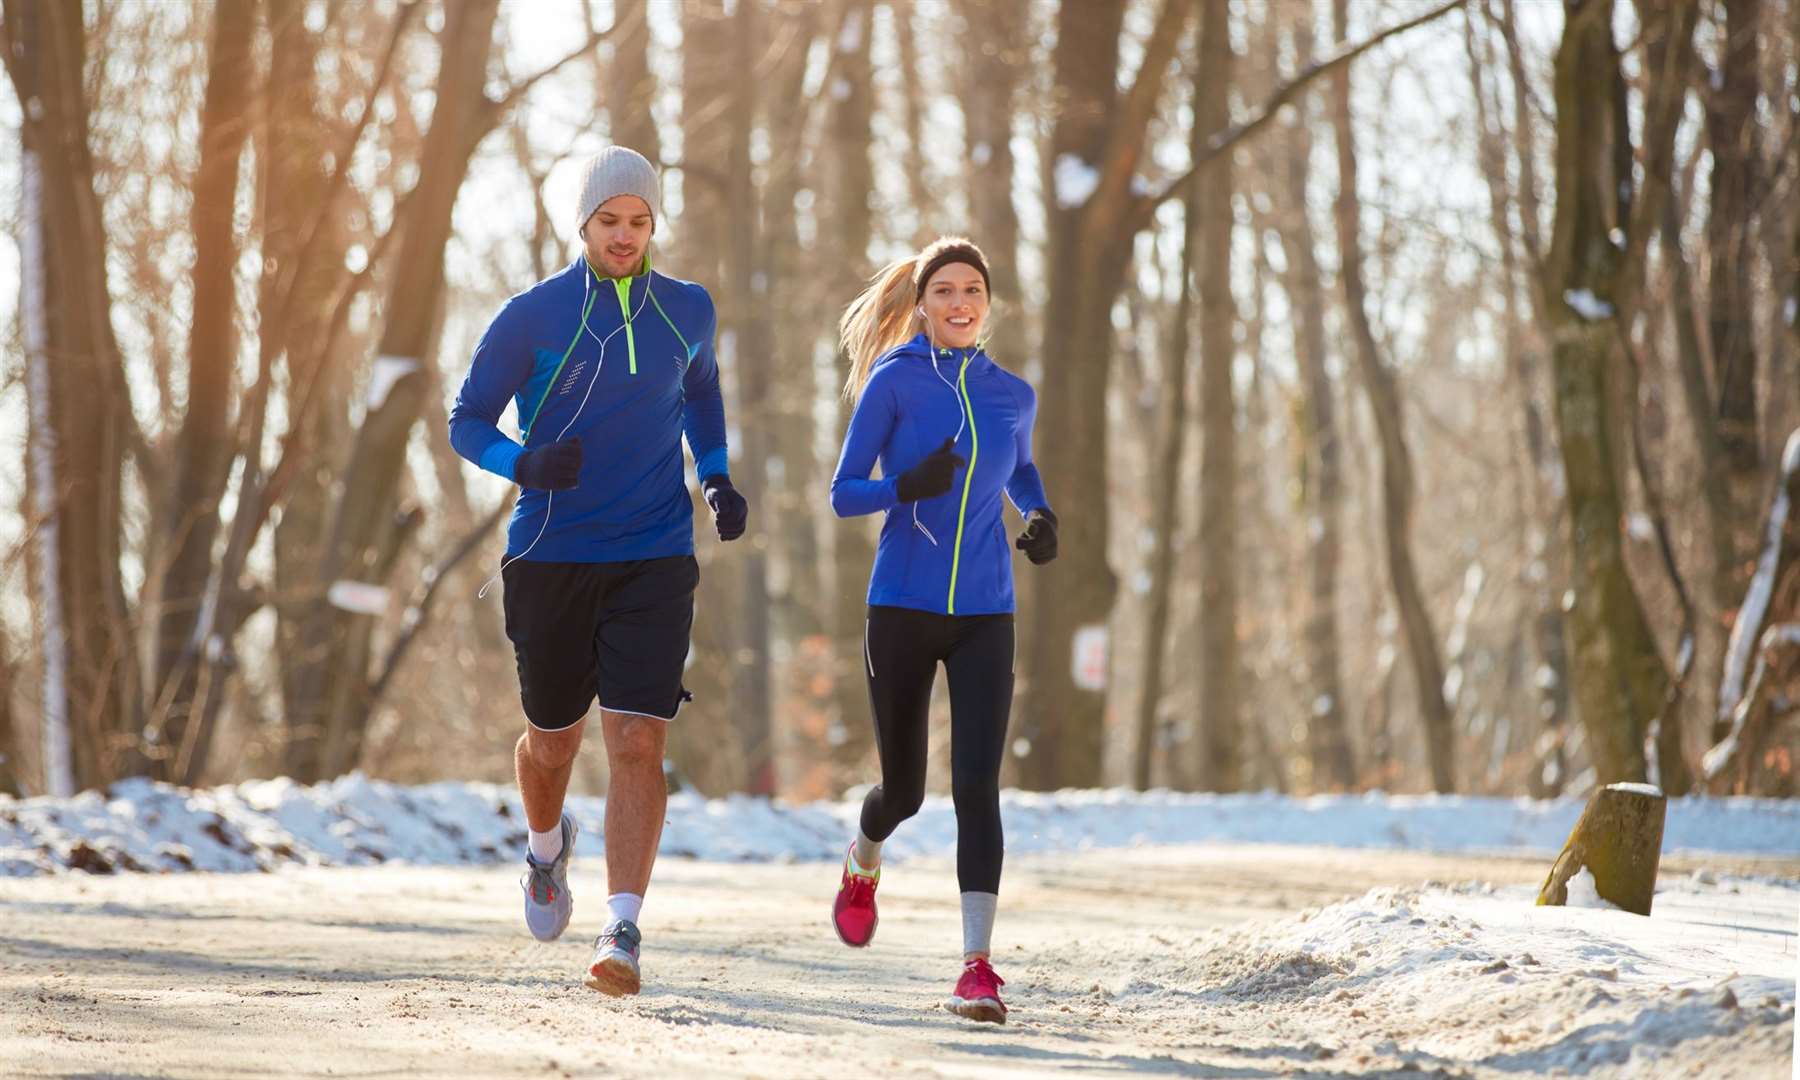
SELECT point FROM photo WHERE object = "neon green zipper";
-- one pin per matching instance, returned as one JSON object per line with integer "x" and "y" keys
{"x": 962, "y": 513}
{"x": 623, "y": 287}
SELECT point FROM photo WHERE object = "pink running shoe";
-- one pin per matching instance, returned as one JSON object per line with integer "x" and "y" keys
{"x": 977, "y": 995}
{"x": 853, "y": 912}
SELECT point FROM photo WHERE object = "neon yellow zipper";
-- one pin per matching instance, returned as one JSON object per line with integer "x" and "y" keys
{"x": 962, "y": 513}
{"x": 623, "y": 287}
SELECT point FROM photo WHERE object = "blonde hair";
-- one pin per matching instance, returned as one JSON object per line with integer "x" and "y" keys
{"x": 882, "y": 315}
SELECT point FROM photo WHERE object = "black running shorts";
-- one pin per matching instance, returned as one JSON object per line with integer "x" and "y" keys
{"x": 616, "y": 630}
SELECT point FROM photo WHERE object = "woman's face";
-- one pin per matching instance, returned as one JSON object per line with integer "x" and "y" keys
{"x": 956, "y": 304}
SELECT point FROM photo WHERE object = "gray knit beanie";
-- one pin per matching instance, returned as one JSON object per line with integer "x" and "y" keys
{"x": 617, "y": 170}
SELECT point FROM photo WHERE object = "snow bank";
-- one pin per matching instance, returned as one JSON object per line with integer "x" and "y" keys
{"x": 139, "y": 825}
{"x": 1435, "y": 978}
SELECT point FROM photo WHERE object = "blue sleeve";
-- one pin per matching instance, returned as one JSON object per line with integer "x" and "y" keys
{"x": 852, "y": 492}
{"x": 1025, "y": 487}
{"x": 499, "y": 368}
{"x": 703, "y": 408}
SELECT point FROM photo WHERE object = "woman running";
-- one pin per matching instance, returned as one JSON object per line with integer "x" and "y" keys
{"x": 952, "y": 430}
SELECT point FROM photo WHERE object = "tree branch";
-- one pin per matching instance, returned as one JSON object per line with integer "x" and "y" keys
{"x": 419, "y": 611}
{"x": 1222, "y": 141}
{"x": 1125, "y": 147}
{"x": 340, "y": 174}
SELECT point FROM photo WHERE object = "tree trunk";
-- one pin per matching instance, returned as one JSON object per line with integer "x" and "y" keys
{"x": 1545, "y": 574}
{"x": 712, "y": 759}
{"x": 81, "y": 416}
{"x": 995, "y": 53}
{"x": 333, "y": 650}
{"x": 1096, "y": 137}
{"x": 1380, "y": 383}
{"x": 1170, "y": 450}
{"x": 1328, "y": 743}
{"x": 10, "y": 765}
{"x": 1620, "y": 680}
{"x": 203, "y": 449}
{"x": 630, "y": 84}
{"x": 1220, "y": 764}
{"x": 912, "y": 93}
{"x": 749, "y": 295}
{"x": 850, "y": 183}
{"x": 1618, "y": 841}
{"x": 294, "y": 307}
{"x": 1732, "y": 131}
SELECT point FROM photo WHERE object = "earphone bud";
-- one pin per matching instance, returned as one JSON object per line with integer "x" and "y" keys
{"x": 921, "y": 310}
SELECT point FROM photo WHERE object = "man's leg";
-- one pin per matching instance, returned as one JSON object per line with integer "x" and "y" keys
{"x": 556, "y": 686}
{"x": 543, "y": 762}
{"x": 637, "y": 798}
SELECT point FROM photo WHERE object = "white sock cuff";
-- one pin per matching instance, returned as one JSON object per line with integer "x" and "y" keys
{"x": 624, "y": 905}
{"x": 545, "y": 846}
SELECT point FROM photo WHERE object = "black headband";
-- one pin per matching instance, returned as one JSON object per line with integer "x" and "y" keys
{"x": 957, "y": 254}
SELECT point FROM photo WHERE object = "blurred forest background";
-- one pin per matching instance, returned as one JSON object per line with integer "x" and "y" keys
{"x": 1415, "y": 376}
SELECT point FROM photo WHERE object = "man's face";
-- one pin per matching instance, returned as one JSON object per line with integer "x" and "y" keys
{"x": 618, "y": 235}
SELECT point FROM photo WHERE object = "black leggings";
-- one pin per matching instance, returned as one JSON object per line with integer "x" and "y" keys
{"x": 903, "y": 649}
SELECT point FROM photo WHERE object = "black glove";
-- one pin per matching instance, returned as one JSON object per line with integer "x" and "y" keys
{"x": 730, "y": 512}
{"x": 550, "y": 468}
{"x": 931, "y": 477}
{"x": 1038, "y": 541}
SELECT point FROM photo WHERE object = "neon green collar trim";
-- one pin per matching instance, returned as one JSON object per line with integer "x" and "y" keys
{"x": 643, "y": 268}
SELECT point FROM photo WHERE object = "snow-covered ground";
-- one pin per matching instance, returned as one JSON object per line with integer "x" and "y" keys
{"x": 1169, "y": 922}
{"x": 139, "y": 825}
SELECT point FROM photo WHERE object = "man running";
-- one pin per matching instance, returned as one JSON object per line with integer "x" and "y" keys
{"x": 608, "y": 363}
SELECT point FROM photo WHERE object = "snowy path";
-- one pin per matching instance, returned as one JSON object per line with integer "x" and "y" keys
{"x": 1235, "y": 960}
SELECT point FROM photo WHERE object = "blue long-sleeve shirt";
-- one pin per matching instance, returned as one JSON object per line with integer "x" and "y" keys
{"x": 947, "y": 554}
{"x": 628, "y": 367}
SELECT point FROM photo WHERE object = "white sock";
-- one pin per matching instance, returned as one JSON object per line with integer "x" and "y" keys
{"x": 545, "y": 846}
{"x": 978, "y": 921}
{"x": 624, "y": 905}
{"x": 866, "y": 859}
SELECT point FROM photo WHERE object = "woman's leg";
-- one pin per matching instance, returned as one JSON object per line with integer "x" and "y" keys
{"x": 900, "y": 662}
{"x": 980, "y": 671}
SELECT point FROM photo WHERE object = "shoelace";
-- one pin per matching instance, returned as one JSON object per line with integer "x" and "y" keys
{"x": 614, "y": 935}
{"x": 984, "y": 974}
{"x": 541, "y": 883}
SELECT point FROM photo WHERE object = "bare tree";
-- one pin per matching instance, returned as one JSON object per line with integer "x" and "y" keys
{"x": 1381, "y": 385}
{"x": 82, "y": 416}
{"x": 204, "y": 445}
{"x": 1096, "y": 141}
{"x": 1733, "y": 138}
{"x": 1220, "y": 752}
{"x": 329, "y": 706}
{"x": 995, "y": 52}
{"x": 630, "y": 84}
{"x": 1333, "y": 764}
{"x": 1621, "y": 683}
{"x": 849, "y": 221}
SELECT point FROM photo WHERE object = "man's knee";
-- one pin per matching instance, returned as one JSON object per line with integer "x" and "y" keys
{"x": 550, "y": 750}
{"x": 635, "y": 740}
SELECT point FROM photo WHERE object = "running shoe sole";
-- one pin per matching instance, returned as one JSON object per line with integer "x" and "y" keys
{"x": 613, "y": 977}
{"x": 986, "y": 1010}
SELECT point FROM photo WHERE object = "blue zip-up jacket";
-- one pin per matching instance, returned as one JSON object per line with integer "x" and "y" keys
{"x": 947, "y": 554}
{"x": 659, "y": 378}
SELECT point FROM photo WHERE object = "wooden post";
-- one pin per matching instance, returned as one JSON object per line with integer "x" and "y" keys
{"x": 1619, "y": 841}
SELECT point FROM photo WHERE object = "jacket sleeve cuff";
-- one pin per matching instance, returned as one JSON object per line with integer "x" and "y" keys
{"x": 713, "y": 463}
{"x": 500, "y": 457}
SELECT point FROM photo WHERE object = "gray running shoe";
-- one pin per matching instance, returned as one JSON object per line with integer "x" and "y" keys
{"x": 614, "y": 970}
{"x": 548, "y": 902}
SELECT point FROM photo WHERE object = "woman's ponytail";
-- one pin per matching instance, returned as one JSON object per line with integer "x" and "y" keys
{"x": 877, "y": 320}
